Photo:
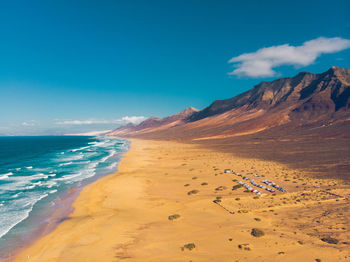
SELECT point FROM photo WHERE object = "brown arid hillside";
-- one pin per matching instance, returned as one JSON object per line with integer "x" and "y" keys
{"x": 154, "y": 124}
{"x": 301, "y": 100}
{"x": 302, "y": 120}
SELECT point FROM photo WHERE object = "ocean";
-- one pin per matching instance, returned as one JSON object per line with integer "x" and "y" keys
{"x": 36, "y": 172}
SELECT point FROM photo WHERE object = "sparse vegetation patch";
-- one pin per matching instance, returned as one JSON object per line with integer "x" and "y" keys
{"x": 220, "y": 188}
{"x": 330, "y": 240}
{"x": 257, "y": 232}
{"x": 192, "y": 192}
{"x": 173, "y": 217}
{"x": 235, "y": 187}
{"x": 188, "y": 246}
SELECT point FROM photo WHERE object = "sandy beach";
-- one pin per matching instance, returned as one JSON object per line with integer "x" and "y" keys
{"x": 171, "y": 201}
{"x": 175, "y": 131}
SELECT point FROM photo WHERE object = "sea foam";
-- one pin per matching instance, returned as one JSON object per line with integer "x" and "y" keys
{"x": 42, "y": 178}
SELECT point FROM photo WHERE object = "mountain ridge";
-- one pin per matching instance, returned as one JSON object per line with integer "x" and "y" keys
{"x": 303, "y": 99}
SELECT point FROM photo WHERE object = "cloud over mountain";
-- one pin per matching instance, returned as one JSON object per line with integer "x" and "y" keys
{"x": 123, "y": 120}
{"x": 262, "y": 62}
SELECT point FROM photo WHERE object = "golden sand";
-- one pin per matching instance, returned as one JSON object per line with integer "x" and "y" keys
{"x": 125, "y": 216}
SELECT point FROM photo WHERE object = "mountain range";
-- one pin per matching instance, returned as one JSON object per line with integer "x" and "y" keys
{"x": 306, "y": 99}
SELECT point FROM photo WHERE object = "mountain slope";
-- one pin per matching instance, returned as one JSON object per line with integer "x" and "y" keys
{"x": 154, "y": 123}
{"x": 331, "y": 87}
{"x": 305, "y": 99}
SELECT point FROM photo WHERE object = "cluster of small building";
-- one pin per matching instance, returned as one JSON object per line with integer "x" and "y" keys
{"x": 265, "y": 181}
{"x": 271, "y": 183}
{"x": 248, "y": 187}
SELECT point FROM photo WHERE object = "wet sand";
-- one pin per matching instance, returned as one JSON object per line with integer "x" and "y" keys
{"x": 44, "y": 223}
{"x": 125, "y": 216}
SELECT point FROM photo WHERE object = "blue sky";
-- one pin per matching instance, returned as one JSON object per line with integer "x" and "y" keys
{"x": 100, "y": 61}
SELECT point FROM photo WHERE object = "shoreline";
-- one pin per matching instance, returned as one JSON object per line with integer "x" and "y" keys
{"x": 48, "y": 222}
{"x": 53, "y": 216}
{"x": 125, "y": 215}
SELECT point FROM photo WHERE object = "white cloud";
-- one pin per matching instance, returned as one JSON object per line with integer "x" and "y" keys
{"x": 123, "y": 120}
{"x": 29, "y": 123}
{"x": 133, "y": 119}
{"x": 262, "y": 62}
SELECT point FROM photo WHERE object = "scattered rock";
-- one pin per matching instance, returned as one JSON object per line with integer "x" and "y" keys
{"x": 204, "y": 184}
{"x": 257, "y": 219}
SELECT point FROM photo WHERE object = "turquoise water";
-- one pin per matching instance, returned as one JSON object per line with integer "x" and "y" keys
{"x": 36, "y": 171}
